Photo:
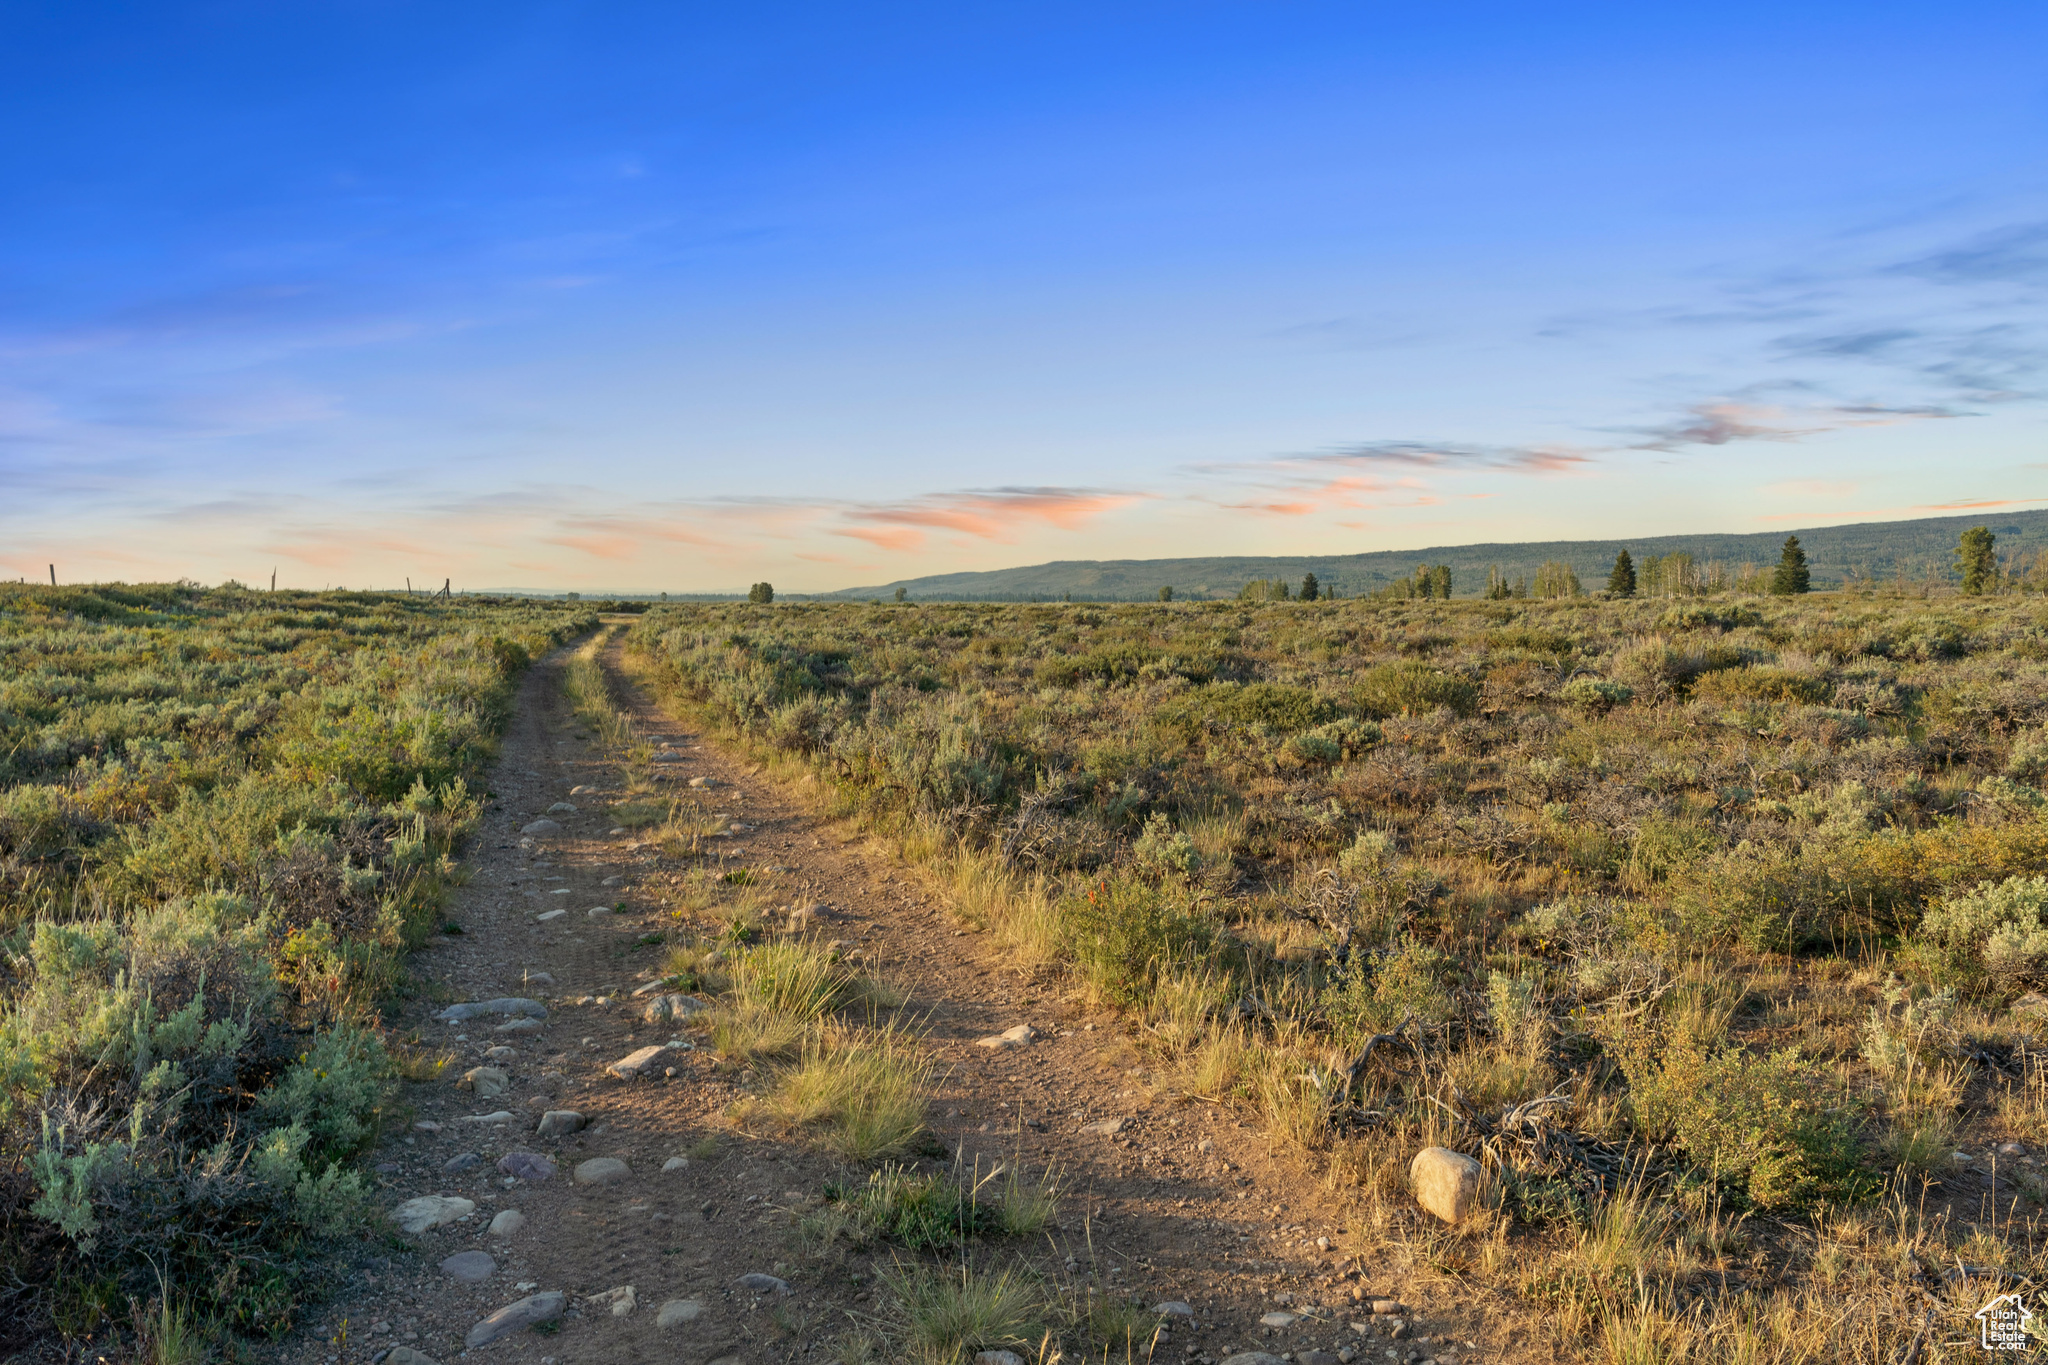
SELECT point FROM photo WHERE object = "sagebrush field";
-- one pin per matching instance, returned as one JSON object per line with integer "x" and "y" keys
{"x": 224, "y": 816}
{"x": 1713, "y": 925}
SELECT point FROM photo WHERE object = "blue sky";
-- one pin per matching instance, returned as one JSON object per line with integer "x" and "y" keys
{"x": 681, "y": 296}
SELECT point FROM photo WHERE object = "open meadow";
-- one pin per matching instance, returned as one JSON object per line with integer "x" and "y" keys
{"x": 1712, "y": 927}
{"x": 224, "y": 817}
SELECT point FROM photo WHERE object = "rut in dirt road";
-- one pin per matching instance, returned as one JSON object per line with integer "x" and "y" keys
{"x": 572, "y": 1209}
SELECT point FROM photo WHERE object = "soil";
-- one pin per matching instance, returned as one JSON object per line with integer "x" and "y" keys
{"x": 1186, "y": 1201}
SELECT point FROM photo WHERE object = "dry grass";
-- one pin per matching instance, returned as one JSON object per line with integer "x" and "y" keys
{"x": 858, "y": 1095}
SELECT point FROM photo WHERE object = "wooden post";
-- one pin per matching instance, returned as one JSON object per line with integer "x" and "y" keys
{"x": 273, "y": 578}
{"x": 53, "y": 575}
{"x": 444, "y": 588}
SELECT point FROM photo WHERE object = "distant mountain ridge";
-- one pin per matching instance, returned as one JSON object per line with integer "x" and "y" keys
{"x": 1876, "y": 549}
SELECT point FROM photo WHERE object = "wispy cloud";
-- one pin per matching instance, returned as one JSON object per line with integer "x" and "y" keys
{"x": 1723, "y": 423}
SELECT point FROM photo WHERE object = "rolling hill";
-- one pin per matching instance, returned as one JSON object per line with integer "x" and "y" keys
{"x": 1879, "y": 549}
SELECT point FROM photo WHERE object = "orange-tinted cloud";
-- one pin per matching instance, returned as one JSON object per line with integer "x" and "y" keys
{"x": 600, "y": 547}
{"x": 992, "y": 514}
{"x": 900, "y": 539}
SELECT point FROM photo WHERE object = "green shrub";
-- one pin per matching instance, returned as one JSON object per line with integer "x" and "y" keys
{"x": 1597, "y": 695}
{"x": 1164, "y": 851}
{"x": 1763, "y": 1127}
{"x": 1413, "y": 688}
{"x": 1125, "y": 933}
{"x": 1995, "y": 930}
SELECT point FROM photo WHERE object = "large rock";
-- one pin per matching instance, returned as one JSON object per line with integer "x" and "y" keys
{"x": 759, "y": 1282}
{"x": 1174, "y": 1308}
{"x": 663, "y": 1009}
{"x": 559, "y": 1123}
{"x": 602, "y": 1170}
{"x": 622, "y": 1300}
{"x": 430, "y": 1211}
{"x": 541, "y": 829}
{"x": 1253, "y": 1358}
{"x": 676, "y": 1312}
{"x": 1019, "y": 1036}
{"x": 530, "y": 1311}
{"x": 635, "y": 1064}
{"x": 507, "y": 1222}
{"x": 470, "y": 1267}
{"x": 1446, "y": 1183}
{"x": 526, "y": 1165}
{"x": 487, "y": 1081}
{"x": 476, "y": 1009}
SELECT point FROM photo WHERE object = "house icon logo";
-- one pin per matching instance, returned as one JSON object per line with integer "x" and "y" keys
{"x": 2003, "y": 1323}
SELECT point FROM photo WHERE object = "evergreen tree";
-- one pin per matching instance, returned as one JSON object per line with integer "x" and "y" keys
{"x": 1978, "y": 563}
{"x": 1166, "y": 593}
{"x": 1622, "y": 581}
{"x": 1309, "y": 587}
{"x": 1440, "y": 582}
{"x": 1791, "y": 577}
{"x": 761, "y": 592}
{"x": 902, "y": 593}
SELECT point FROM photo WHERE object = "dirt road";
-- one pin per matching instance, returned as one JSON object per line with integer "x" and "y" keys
{"x": 1163, "y": 1199}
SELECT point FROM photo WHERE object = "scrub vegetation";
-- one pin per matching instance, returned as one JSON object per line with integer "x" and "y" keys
{"x": 1714, "y": 926}
{"x": 224, "y": 817}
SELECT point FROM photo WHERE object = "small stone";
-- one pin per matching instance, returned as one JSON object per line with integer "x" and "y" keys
{"x": 1106, "y": 1127}
{"x": 1397, "y": 1328}
{"x": 427, "y": 1126}
{"x": 703, "y": 782}
{"x": 561, "y": 808}
{"x": 530, "y": 1311}
{"x": 507, "y": 1222}
{"x": 539, "y": 979}
{"x": 1253, "y": 1358}
{"x": 546, "y": 915}
{"x": 622, "y": 1300}
{"x": 629, "y": 1067}
{"x": 602, "y": 1170}
{"x": 476, "y": 1009}
{"x": 1277, "y": 1320}
{"x": 467, "y": 1161}
{"x": 541, "y": 829}
{"x": 387, "y": 1168}
{"x": 598, "y": 911}
{"x": 430, "y": 1211}
{"x": 675, "y": 1163}
{"x": 519, "y": 1026}
{"x": 1173, "y": 1309}
{"x": 470, "y": 1267}
{"x": 1384, "y": 1307}
{"x": 526, "y": 1165}
{"x": 758, "y": 1283}
{"x": 664, "y": 1008}
{"x": 998, "y": 1358}
{"x": 487, "y": 1081}
{"x": 676, "y": 1312}
{"x": 500, "y": 1116}
{"x": 2012, "y": 1149}
{"x": 501, "y": 1053}
{"x": 1315, "y": 1358}
{"x": 560, "y": 1123}
{"x": 406, "y": 1355}
{"x": 1446, "y": 1183}
{"x": 1019, "y": 1036}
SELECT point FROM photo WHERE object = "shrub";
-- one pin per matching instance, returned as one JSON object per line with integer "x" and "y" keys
{"x": 1761, "y": 1126}
{"x": 1338, "y": 740}
{"x": 1164, "y": 851}
{"x": 1414, "y": 688}
{"x": 1597, "y": 695}
{"x": 1126, "y": 933}
{"x": 1995, "y": 930}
